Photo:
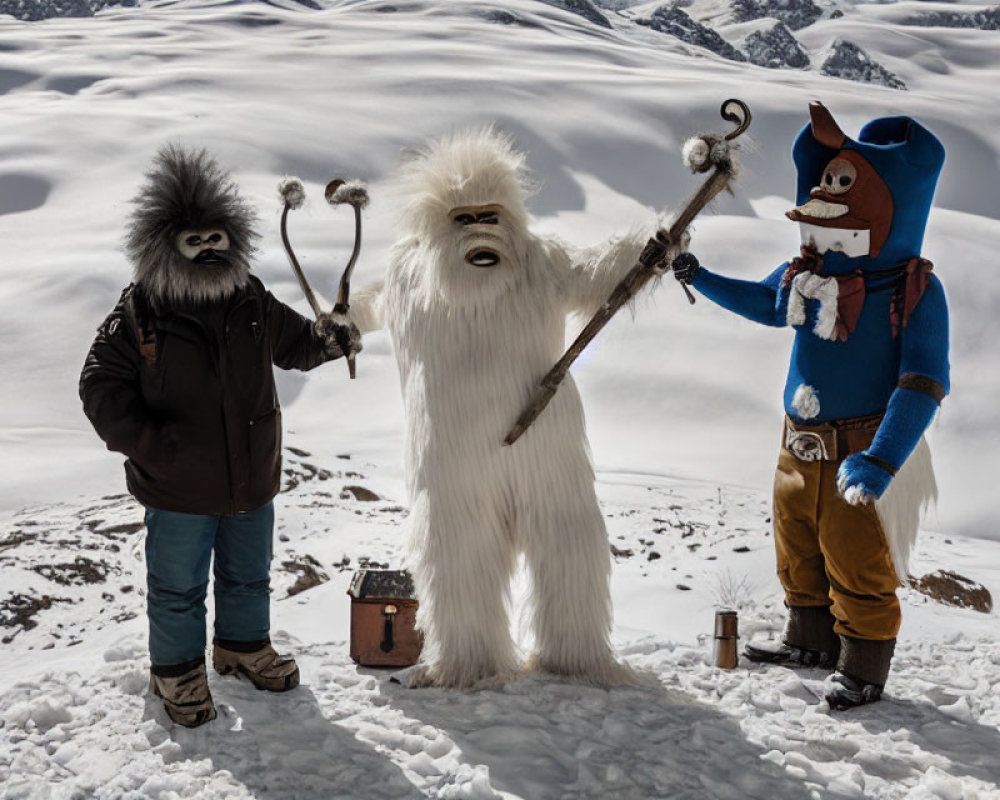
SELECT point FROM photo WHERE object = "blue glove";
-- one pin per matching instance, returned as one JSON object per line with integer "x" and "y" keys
{"x": 861, "y": 480}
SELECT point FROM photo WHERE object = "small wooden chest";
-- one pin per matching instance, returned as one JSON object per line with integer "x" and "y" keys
{"x": 383, "y": 619}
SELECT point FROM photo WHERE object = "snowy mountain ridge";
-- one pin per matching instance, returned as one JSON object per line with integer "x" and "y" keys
{"x": 775, "y": 48}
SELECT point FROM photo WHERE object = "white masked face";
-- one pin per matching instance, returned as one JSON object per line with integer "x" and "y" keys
{"x": 203, "y": 245}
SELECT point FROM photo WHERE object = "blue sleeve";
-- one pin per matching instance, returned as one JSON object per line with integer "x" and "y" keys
{"x": 924, "y": 354}
{"x": 925, "y": 338}
{"x": 757, "y": 301}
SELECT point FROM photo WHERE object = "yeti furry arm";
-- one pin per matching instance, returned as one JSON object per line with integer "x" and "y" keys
{"x": 366, "y": 308}
{"x": 593, "y": 272}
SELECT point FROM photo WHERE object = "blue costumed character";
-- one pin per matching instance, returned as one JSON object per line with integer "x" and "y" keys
{"x": 869, "y": 368}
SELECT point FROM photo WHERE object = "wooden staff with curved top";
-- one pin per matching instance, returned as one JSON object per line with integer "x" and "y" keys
{"x": 719, "y": 158}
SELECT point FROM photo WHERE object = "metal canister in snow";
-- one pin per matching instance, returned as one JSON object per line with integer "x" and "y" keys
{"x": 725, "y": 653}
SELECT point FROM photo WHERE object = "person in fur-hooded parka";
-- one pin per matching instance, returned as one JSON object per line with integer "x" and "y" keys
{"x": 476, "y": 307}
{"x": 180, "y": 380}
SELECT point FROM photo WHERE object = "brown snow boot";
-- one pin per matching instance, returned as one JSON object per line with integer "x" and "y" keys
{"x": 184, "y": 691}
{"x": 861, "y": 672}
{"x": 808, "y": 641}
{"x": 258, "y": 661}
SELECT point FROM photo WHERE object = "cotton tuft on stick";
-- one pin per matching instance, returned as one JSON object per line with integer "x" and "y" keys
{"x": 354, "y": 193}
{"x": 292, "y": 192}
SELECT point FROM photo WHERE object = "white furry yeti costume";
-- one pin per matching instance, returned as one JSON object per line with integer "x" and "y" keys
{"x": 472, "y": 342}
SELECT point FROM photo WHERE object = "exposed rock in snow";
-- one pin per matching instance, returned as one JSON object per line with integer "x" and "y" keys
{"x": 774, "y": 48}
{"x": 796, "y": 14}
{"x": 851, "y": 62}
{"x": 585, "y": 8}
{"x": 616, "y": 5}
{"x": 33, "y": 10}
{"x": 985, "y": 20}
{"x": 674, "y": 21}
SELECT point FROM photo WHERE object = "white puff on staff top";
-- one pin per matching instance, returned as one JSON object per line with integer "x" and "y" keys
{"x": 702, "y": 153}
{"x": 292, "y": 192}
{"x": 354, "y": 193}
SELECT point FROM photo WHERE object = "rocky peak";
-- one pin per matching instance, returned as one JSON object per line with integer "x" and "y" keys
{"x": 675, "y": 22}
{"x": 774, "y": 48}
{"x": 796, "y": 14}
{"x": 583, "y": 8}
{"x": 852, "y": 63}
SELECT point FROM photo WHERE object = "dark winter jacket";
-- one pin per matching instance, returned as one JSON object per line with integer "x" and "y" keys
{"x": 188, "y": 395}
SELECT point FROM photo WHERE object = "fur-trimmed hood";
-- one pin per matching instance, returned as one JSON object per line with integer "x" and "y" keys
{"x": 186, "y": 189}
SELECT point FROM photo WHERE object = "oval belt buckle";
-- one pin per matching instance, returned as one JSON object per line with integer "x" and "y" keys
{"x": 806, "y": 445}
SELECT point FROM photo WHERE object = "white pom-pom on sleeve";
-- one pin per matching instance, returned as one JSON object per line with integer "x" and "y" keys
{"x": 353, "y": 193}
{"x": 292, "y": 192}
{"x": 695, "y": 153}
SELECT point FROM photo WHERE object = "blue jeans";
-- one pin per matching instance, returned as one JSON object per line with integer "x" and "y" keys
{"x": 178, "y": 552}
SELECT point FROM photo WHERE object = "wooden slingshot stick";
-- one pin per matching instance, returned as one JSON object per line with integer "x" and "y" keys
{"x": 294, "y": 194}
{"x": 337, "y": 192}
{"x": 702, "y": 154}
{"x": 353, "y": 193}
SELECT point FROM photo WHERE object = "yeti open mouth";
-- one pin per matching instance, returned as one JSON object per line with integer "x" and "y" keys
{"x": 482, "y": 257}
{"x": 210, "y": 258}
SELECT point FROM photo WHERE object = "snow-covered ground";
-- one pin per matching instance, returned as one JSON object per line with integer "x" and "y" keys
{"x": 683, "y": 404}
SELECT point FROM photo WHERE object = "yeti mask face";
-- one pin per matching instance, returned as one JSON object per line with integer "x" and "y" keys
{"x": 191, "y": 234}
{"x": 482, "y": 243}
{"x": 464, "y": 215}
{"x": 204, "y": 246}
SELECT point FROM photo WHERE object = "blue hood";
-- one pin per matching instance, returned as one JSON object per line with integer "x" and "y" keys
{"x": 905, "y": 156}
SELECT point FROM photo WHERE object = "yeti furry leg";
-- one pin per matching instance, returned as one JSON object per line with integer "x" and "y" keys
{"x": 462, "y": 568}
{"x": 567, "y": 552}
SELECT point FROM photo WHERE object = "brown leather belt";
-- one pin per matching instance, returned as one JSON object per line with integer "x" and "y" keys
{"x": 830, "y": 441}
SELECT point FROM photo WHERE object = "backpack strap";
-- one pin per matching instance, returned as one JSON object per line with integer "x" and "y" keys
{"x": 137, "y": 315}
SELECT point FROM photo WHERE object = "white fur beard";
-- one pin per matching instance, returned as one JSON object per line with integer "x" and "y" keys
{"x": 809, "y": 286}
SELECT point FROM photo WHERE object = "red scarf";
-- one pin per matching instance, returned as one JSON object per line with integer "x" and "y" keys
{"x": 851, "y": 291}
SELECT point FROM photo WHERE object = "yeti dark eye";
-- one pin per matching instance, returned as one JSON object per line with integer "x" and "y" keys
{"x": 476, "y": 215}
{"x": 194, "y": 240}
{"x": 215, "y": 238}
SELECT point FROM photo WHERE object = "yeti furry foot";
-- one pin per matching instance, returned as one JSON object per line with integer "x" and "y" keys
{"x": 427, "y": 676}
{"x": 606, "y": 674}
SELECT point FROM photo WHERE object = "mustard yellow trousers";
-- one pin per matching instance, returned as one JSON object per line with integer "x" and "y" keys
{"x": 830, "y": 553}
